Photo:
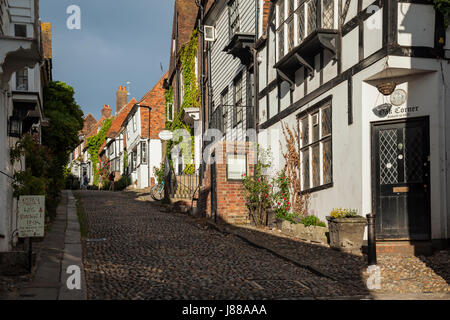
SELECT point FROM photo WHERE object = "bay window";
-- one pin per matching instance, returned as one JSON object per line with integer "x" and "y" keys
{"x": 316, "y": 148}
{"x": 296, "y": 19}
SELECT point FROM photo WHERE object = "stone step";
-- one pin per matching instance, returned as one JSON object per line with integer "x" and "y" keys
{"x": 404, "y": 248}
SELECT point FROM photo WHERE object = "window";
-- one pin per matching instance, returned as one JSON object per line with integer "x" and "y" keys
{"x": 20, "y": 30}
{"x": 301, "y": 23}
{"x": 169, "y": 110}
{"x": 234, "y": 17}
{"x": 135, "y": 122}
{"x": 280, "y": 29}
{"x": 238, "y": 105}
{"x": 316, "y": 148}
{"x": 22, "y": 80}
{"x": 135, "y": 159}
{"x": 144, "y": 152}
{"x": 291, "y": 34}
{"x": 312, "y": 16}
{"x": 111, "y": 149}
{"x": 224, "y": 104}
{"x": 181, "y": 99}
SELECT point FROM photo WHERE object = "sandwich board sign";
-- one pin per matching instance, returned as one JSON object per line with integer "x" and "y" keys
{"x": 31, "y": 218}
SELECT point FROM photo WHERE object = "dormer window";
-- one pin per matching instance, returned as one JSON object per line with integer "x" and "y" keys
{"x": 234, "y": 17}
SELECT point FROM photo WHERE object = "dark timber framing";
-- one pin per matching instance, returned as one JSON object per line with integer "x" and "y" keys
{"x": 390, "y": 47}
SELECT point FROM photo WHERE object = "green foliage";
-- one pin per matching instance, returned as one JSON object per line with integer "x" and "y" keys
{"x": 281, "y": 197}
{"x": 125, "y": 160}
{"x": 159, "y": 173}
{"x": 122, "y": 183}
{"x": 168, "y": 95}
{"x": 189, "y": 169}
{"x": 93, "y": 147}
{"x": 61, "y": 136}
{"x": 257, "y": 189}
{"x": 443, "y": 6}
{"x": 313, "y": 221}
{"x": 344, "y": 213}
{"x": 192, "y": 95}
{"x": 71, "y": 182}
{"x": 34, "y": 179}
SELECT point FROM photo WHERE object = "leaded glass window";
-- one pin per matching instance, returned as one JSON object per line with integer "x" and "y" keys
{"x": 316, "y": 148}
{"x": 312, "y": 16}
{"x": 291, "y": 34}
{"x": 234, "y": 17}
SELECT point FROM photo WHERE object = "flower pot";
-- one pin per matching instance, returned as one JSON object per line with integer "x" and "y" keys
{"x": 279, "y": 223}
{"x": 270, "y": 218}
{"x": 347, "y": 234}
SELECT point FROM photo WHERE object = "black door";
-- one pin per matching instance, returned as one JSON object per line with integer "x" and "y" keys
{"x": 402, "y": 179}
{"x": 213, "y": 188}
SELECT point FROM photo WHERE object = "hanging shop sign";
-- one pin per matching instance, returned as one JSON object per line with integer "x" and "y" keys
{"x": 31, "y": 218}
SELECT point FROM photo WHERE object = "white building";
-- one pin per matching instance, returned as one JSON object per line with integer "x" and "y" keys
{"x": 143, "y": 153}
{"x": 24, "y": 70}
{"x": 321, "y": 62}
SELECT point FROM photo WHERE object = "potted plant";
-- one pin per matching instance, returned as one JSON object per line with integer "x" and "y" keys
{"x": 346, "y": 230}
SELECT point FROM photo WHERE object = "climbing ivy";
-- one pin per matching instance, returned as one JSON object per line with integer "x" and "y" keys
{"x": 443, "y": 6}
{"x": 93, "y": 147}
{"x": 191, "y": 97}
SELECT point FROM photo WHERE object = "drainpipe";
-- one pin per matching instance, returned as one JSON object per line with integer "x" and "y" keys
{"x": 256, "y": 72}
{"x": 202, "y": 80}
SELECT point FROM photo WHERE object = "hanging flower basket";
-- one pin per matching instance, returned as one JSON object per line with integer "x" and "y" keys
{"x": 387, "y": 88}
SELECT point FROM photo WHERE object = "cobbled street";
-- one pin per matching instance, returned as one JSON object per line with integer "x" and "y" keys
{"x": 136, "y": 251}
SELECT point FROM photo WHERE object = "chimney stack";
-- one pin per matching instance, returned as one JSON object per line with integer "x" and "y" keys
{"x": 106, "y": 112}
{"x": 122, "y": 98}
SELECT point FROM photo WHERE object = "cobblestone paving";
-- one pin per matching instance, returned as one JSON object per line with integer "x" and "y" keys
{"x": 136, "y": 251}
{"x": 399, "y": 274}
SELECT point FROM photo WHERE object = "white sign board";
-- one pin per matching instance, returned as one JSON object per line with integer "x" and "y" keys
{"x": 236, "y": 166}
{"x": 166, "y": 135}
{"x": 31, "y": 219}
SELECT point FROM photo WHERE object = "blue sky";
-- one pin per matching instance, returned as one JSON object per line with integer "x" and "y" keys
{"x": 119, "y": 41}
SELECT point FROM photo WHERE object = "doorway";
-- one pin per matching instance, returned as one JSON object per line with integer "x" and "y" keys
{"x": 401, "y": 179}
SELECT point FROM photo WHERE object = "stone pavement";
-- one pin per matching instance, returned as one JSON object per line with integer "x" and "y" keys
{"x": 61, "y": 248}
{"x": 137, "y": 251}
{"x": 402, "y": 277}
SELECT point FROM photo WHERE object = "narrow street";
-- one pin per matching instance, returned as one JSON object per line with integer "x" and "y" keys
{"x": 136, "y": 251}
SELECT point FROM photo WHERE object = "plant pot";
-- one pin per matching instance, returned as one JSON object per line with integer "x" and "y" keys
{"x": 271, "y": 218}
{"x": 347, "y": 234}
{"x": 279, "y": 223}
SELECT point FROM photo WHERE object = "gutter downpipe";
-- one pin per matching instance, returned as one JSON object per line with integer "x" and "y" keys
{"x": 202, "y": 82}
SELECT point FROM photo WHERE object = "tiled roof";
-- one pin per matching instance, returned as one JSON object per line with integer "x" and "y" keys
{"x": 155, "y": 98}
{"x": 118, "y": 121}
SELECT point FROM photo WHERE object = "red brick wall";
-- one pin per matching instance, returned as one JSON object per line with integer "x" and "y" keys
{"x": 156, "y": 100}
{"x": 231, "y": 206}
